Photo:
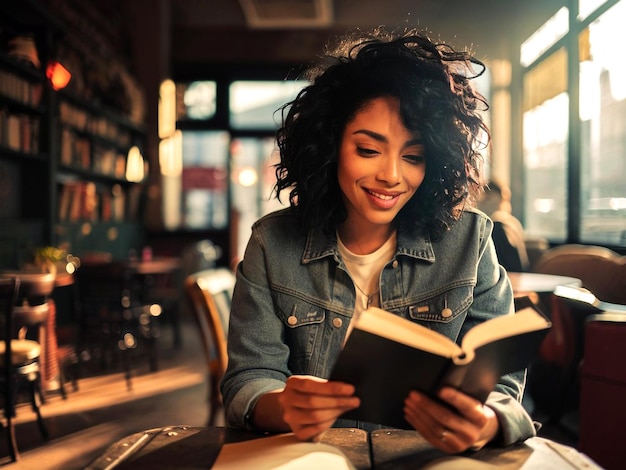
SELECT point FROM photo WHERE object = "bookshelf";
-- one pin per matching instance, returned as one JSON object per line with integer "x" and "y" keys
{"x": 26, "y": 33}
{"x": 63, "y": 154}
{"x": 98, "y": 205}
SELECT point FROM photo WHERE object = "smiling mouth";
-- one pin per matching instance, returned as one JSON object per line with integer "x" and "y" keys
{"x": 383, "y": 197}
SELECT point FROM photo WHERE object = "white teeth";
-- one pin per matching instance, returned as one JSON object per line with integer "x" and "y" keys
{"x": 384, "y": 197}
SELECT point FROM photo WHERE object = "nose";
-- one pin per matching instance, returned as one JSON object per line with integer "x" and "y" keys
{"x": 389, "y": 170}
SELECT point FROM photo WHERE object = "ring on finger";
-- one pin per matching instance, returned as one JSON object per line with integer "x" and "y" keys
{"x": 444, "y": 435}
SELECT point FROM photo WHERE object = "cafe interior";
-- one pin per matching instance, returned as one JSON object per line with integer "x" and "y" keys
{"x": 137, "y": 144}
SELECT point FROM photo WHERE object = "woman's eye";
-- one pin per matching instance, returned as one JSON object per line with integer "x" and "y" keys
{"x": 366, "y": 152}
{"x": 416, "y": 159}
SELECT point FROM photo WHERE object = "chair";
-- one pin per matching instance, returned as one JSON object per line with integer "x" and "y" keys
{"x": 564, "y": 350}
{"x": 601, "y": 270}
{"x": 158, "y": 281}
{"x": 64, "y": 322}
{"x": 603, "y": 389}
{"x": 69, "y": 367}
{"x": 25, "y": 308}
{"x": 603, "y": 275}
{"x": 198, "y": 256}
{"x": 114, "y": 324}
{"x": 209, "y": 293}
{"x": 535, "y": 248}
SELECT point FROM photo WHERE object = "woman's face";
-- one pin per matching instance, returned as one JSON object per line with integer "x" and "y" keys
{"x": 381, "y": 164}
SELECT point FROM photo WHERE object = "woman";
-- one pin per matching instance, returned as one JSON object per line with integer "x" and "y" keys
{"x": 380, "y": 157}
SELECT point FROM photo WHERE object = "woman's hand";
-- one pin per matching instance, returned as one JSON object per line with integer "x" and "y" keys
{"x": 466, "y": 423}
{"x": 311, "y": 405}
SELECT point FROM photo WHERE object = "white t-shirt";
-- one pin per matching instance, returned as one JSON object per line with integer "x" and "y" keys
{"x": 365, "y": 272}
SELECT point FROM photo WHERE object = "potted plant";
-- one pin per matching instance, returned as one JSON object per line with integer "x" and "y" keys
{"x": 47, "y": 257}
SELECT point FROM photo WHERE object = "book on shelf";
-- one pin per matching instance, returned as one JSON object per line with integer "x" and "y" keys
{"x": 19, "y": 132}
{"x": 106, "y": 210}
{"x": 118, "y": 203}
{"x": 386, "y": 356}
{"x": 75, "y": 209}
{"x": 19, "y": 89}
{"x": 13, "y": 132}
{"x": 79, "y": 201}
{"x": 67, "y": 142}
{"x": 66, "y": 196}
{"x": 90, "y": 202}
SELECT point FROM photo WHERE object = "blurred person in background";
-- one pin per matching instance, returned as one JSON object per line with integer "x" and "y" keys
{"x": 508, "y": 232}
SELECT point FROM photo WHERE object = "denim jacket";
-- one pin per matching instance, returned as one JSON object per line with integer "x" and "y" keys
{"x": 294, "y": 299}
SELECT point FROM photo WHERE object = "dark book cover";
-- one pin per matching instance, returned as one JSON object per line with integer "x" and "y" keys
{"x": 383, "y": 373}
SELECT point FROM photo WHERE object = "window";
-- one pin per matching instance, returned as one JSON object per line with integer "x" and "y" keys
{"x": 253, "y": 104}
{"x": 546, "y": 36}
{"x": 252, "y": 182}
{"x": 545, "y": 125}
{"x": 586, "y": 7}
{"x": 253, "y": 113}
{"x": 603, "y": 129}
{"x": 196, "y": 100}
{"x": 205, "y": 179}
{"x": 574, "y": 147}
{"x": 217, "y": 159}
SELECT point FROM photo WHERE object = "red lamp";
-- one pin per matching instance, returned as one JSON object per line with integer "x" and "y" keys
{"x": 58, "y": 75}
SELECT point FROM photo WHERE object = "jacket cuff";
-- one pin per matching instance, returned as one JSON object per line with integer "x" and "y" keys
{"x": 515, "y": 423}
{"x": 239, "y": 410}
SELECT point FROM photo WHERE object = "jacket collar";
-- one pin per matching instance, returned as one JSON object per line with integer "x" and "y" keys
{"x": 320, "y": 245}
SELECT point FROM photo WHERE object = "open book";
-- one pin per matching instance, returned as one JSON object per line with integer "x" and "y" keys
{"x": 386, "y": 356}
{"x": 280, "y": 452}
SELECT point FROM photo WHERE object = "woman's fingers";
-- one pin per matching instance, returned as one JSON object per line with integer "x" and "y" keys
{"x": 312, "y": 393}
{"x": 314, "y": 385}
{"x": 311, "y": 405}
{"x": 442, "y": 425}
{"x": 417, "y": 411}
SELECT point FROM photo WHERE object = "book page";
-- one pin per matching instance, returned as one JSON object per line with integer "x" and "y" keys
{"x": 280, "y": 452}
{"x": 380, "y": 322}
{"x": 524, "y": 321}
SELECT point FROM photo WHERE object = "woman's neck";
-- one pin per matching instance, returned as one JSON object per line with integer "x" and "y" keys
{"x": 363, "y": 242}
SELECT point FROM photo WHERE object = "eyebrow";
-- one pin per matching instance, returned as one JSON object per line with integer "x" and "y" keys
{"x": 383, "y": 139}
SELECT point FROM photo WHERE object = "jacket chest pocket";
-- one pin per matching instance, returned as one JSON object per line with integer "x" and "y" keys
{"x": 303, "y": 326}
{"x": 442, "y": 311}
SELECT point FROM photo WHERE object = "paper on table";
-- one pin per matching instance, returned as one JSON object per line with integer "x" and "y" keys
{"x": 280, "y": 452}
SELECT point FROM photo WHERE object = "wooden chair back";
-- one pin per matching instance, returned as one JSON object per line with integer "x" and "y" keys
{"x": 209, "y": 293}
{"x": 601, "y": 270}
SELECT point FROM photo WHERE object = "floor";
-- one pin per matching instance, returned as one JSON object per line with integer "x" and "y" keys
{"x": 103, "y": 411}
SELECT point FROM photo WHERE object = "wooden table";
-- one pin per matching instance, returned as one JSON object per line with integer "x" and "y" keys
{"x": 198, "y": 448}
{"x": 156, "y": 265}
{"x": 537, "y": 288}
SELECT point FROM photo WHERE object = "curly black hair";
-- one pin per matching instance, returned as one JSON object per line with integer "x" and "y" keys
{"x": 431, "y": 82}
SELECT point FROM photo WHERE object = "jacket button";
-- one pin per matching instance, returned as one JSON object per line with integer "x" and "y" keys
{"x": 292, "y": 320}
{"x": 394, "y": 265}
{"x": 337, "y": 322}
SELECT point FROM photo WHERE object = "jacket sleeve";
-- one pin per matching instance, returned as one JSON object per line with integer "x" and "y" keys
{"x": 515, "y": 423}
{"x": 257, "y": 355}
{"x": 493, "y": 296}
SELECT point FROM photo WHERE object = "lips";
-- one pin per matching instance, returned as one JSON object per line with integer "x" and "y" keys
{"x": 383, "y": 200}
